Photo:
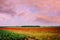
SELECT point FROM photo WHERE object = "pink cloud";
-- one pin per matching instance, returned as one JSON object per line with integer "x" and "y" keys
{"x": 27, "y": 12}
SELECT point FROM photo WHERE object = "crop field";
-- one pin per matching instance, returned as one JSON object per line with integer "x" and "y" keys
{"x": 31, "y": 33}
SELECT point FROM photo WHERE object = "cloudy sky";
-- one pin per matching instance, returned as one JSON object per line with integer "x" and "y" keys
{"x": 30, "y": 12}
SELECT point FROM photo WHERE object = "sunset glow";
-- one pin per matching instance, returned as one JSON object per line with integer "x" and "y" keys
{"x": 30, "y": 12}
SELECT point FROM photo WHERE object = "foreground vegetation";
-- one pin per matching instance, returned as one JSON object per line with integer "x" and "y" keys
{"x": 28, "y": 35}
{"x": 6, "y": 35}
{"x": 44, "y": 35}
{"x": 40, "y": 35}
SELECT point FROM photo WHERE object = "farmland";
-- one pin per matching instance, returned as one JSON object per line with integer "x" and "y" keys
{"x": 37, "y": 33}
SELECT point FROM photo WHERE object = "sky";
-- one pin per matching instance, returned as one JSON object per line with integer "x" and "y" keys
{"x": 30, "y": 12}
